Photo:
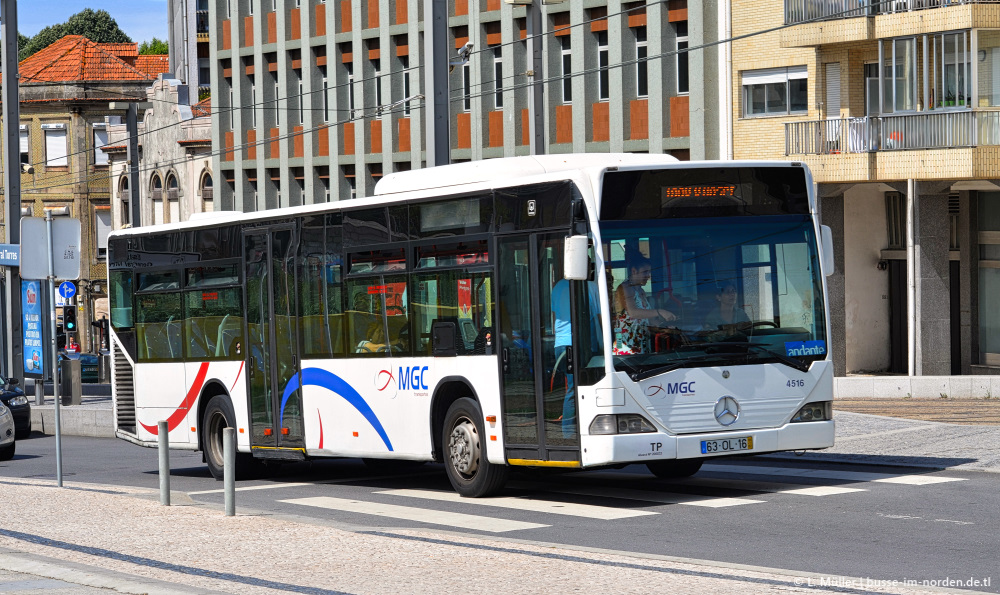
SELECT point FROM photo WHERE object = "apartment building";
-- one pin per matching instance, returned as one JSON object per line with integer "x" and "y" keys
{"x": 175, "y": 175}
{"x": 65, "y": 92}
{"x": 189, "y": 40}
{"x": 893, "y": 105}
{"x": 328, "y": 94}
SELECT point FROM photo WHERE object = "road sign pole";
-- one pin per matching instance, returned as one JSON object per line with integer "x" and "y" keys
{"x": 54, "y": 351}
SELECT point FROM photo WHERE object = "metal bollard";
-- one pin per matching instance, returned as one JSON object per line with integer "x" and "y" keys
{"x": 164, "y": 444}
{"x": 229, "y": 469}
{"x": 39, "y": 392}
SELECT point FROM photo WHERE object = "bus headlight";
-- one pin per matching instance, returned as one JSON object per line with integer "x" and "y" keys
{"x": 624, "y": 423}
{"x": 821, "y": 411}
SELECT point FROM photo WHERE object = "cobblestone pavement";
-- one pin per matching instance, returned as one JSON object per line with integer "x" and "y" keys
{"x": 975, "y": 412}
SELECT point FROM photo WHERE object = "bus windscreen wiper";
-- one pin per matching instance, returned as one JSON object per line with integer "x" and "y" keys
{"x": 721, "y": 358}
{"x": 798, "y": 364}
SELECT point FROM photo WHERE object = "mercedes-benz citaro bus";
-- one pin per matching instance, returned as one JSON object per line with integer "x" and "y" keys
{"x": 570, "y": 311}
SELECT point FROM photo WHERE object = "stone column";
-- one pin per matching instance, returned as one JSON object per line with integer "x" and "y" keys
{"x": 968, "y": 246}
{"x": 832, "y": 215}
{"x": 933, "y": 313}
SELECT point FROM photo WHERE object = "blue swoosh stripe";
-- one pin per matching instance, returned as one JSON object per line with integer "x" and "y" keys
{"x": 339, "y": 386}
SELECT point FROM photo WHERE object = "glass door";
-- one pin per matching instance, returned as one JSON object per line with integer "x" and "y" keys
{"x": 272, "y": 355}
{"x": 539, "y": 400}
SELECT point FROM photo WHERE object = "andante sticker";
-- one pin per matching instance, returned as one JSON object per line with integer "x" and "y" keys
{"x": 800, "y": 348}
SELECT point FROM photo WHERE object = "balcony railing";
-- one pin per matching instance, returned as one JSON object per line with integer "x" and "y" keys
{"x": 800, "y": 11}
{"x": 942, "y": 130}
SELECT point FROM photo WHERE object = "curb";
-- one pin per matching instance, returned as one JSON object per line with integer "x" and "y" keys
{"x": 73, "y": 421}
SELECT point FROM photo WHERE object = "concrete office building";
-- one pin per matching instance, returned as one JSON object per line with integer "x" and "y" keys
{"x": 893, "y": 107}
{"x": 334, "y": 87}
{"x": 188, "y": 37}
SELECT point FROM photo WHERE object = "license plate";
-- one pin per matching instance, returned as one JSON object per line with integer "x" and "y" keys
{"x": 709, "y": 447}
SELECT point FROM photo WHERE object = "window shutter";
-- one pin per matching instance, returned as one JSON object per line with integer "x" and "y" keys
{"x": 100, "y": 140}
{"x": 103, "y": 219}
{"x": 55, "y": 148}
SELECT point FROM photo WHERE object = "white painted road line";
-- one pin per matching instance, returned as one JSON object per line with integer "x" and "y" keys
{"x": 270, "y": 486}
{"x": 604, "y": 513}
{"x": 658, "y": 497}
{"x": 820, "y": 491}
{"x": 830, "y": 474}
{"x": 419, "y": 515}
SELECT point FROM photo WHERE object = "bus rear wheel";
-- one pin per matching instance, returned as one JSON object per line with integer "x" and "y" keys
{"x": 676, "y": 469}
{"x": 218, "y": 416}
{"x": 470, "y": 473}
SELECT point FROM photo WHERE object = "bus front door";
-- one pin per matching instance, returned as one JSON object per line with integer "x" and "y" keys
{"x": 539, "y": 403}
{"x": 272, "y": 364}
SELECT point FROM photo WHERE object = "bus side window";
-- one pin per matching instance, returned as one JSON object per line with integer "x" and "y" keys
{"x": 320, "y": 273}
{"x": 157, "y": 313}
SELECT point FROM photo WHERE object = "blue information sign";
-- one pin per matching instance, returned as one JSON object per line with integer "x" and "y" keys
{"x": 31, "y": 323}
{"x": 67, "y": 289}
{"x": 10, "y": 255}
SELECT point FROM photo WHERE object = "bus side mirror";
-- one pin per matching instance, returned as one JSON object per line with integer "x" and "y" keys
{"x": 827, "y": 236}
{"x": 576, "y": 258}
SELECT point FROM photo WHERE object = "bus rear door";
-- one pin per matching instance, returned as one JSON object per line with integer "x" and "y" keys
{"x": 275, "y": 399}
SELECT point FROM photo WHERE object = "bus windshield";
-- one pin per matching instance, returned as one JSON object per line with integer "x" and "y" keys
{"x": 689, "y": 290}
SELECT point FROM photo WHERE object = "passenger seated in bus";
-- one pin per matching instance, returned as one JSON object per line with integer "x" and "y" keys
{"x": 633, "y": 314}
{"x": 727, "y": 320}
{"x": 376, "y": 341}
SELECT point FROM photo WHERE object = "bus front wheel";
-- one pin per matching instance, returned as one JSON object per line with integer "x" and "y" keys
{"x": 218, "y": 416}
{"x": 470, "y": 473}
{"x": 676, "y": 469}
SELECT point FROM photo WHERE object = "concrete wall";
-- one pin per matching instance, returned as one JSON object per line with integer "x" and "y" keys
{"x": 866, "y": 309}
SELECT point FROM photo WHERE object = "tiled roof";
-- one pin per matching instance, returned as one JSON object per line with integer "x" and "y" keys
{"x": 203, "y": 108}
{"x": 76, "y": 58}
{"x": 128, "y": 52}
{"x": 153, "y": 64}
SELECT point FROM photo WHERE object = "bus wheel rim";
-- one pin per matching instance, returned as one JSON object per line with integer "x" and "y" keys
{"x": 215, "y": 427}
{"x": 464, "y": 448}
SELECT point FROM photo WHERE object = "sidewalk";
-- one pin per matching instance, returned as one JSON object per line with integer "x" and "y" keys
{"x": 122, "y": 539}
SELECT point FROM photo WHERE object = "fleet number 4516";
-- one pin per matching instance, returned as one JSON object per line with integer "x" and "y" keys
{"x": 795, "y": 383}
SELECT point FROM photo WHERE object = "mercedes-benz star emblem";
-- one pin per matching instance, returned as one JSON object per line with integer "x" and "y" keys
{"x": 727, "y": 410}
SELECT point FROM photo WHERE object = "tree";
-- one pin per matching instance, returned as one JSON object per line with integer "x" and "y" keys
{"x": 156, "y": 46}
{"x": 95, "y": 25}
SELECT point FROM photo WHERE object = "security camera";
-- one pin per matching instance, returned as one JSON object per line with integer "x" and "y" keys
{"x": 27, "y": 168}
{"x": 463, "y": 54}
{"x": 881, "y": 265}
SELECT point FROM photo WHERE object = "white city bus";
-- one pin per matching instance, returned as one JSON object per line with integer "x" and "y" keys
{"x": 571, "y": 311}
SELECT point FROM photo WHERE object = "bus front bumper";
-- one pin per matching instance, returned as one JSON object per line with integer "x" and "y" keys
{"x": 644, "y": 448}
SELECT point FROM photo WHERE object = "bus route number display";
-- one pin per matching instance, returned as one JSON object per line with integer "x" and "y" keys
{"x": 672, "y": 192}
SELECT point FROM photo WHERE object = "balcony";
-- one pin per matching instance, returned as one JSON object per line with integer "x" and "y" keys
{"x": 803, "y": 11}
{"x": 823, "y": 22}
{"x": 930, "y": 145}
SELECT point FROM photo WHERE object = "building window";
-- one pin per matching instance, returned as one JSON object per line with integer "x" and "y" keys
{"x": 251, "y": 7}
{"x": 204, "y": 72}
{"x": 682, "y": 57}
{"x": 277, "y": 104}
{"x": 466, "y": 87}
{"x": 951, "y": 53}
{"x": 207, "y": 194}
{"x": 25, "y": 145}
{"x": 253, "y": 104}
{"x": 603, "y": 80}
{"x": 775, "y": 91}
{"x": 55, "y": 145}
{"x": 124, "y": 196}
{"x": 641, "y": 66}
{"x": 498, "y": 77}
{"x": 301, "y": 99}
{"x": 350, "y": 85}
{"x": 567, "y": 69}
{"x": 404, "y": 62}
{"x": 377, "y": 66}
{"x": 100, "y": 140}
{"x": 102, "y": 223}
{"x": 326, "y": 94}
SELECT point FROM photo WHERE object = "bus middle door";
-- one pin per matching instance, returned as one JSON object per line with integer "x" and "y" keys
{"x": 275, "y": 396}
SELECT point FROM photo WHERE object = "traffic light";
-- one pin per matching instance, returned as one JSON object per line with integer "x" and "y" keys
{"x": 69, "y": 320}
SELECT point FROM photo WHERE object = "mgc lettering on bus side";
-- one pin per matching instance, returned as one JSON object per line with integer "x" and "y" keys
{"x": 412, "y": 378}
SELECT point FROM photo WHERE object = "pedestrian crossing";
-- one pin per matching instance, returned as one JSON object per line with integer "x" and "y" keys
{"x": 544, "y": 503}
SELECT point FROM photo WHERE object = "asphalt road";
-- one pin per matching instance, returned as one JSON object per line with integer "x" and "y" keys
{"x": 813, "y": 516}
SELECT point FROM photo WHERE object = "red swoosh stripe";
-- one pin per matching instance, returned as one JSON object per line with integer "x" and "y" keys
{"x": 178, "y": 415}
{"x": 320, "y": 428}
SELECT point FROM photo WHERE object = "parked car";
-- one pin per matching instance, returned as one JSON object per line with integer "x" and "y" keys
{"x": 7, "y": 445}
{"x": 13, "y": 397}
